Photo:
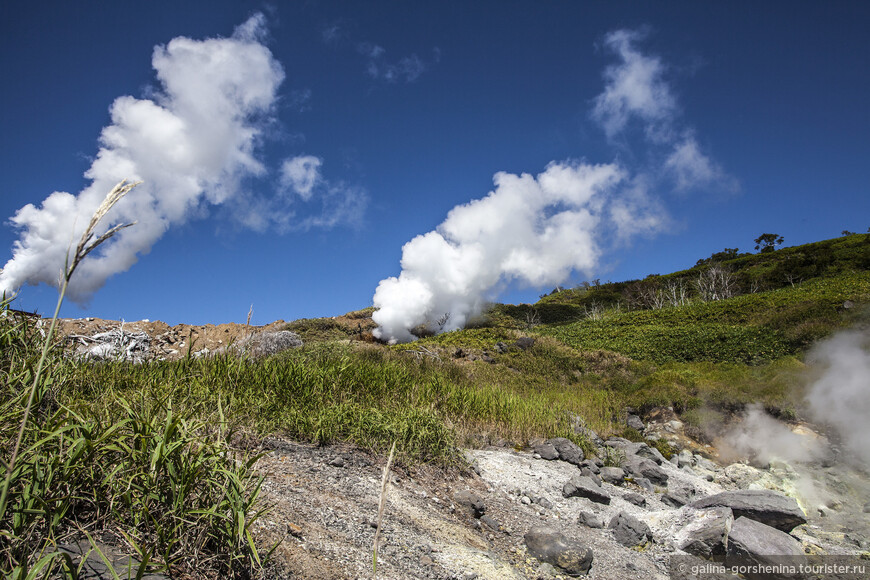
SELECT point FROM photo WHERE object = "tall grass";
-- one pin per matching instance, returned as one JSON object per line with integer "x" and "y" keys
{"x": 136, "y": 473}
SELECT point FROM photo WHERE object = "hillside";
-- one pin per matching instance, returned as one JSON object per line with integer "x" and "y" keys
{"x": 692, "y": 349}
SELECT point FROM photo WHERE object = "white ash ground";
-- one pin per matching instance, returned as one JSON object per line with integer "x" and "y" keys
{"x": 325, "y": 505}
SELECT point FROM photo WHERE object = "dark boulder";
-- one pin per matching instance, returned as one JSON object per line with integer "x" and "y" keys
{"x": 568, "y": 450}
{"x": 762, "y": 505}
{"x": 752, "y": 543}
{"x": 547, "y": 451}
{"x": 582, "y": 486}
{"x": 706, "y": 534}
{"x": 635, "y": 498}
{"x": 629, "y": 531}
{"x": 640, "y": 467}
{"x": 551, "y": 546}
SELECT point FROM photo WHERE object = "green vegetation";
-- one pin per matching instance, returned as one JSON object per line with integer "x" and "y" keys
{"x": 750, "y": 329}
{"x": 153, "y": 456}
{"x": 95, "y": 462}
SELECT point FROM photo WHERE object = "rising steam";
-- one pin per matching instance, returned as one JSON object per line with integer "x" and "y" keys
{"x": 532, "y": 229}
{"x": 191, "y": 144}
{"x": 840, "y": 396}
{"x": 537, "y": 230}
{"x": 764, "y": 439}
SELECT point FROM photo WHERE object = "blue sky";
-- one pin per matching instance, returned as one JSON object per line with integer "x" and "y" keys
{"x": 405, "y": 110}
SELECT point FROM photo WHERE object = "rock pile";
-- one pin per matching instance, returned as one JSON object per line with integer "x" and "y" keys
{"x": 652, "y": 506}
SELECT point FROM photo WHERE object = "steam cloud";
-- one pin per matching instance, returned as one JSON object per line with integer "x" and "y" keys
{"x": 764, "y": 438}
{"x": 840, "y": 396}
{"x": 191, "y": 144}
{"x": 537, "y": 230}
{"x": 532, "y": 229}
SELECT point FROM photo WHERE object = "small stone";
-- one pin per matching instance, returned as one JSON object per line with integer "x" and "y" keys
{"x": 650, "y": 453}
{"x": 525, "y": 343}
{"x": 646, "y": 468}
{"x": 470, "y": 502}
{"x": 674, "y": 501}
{"x": 491, "y": 522}
{"x": 635, "y": 498}
{"x": 337, "y": 462}
{"x": 635, "y": 423}
{"x": 591, "y": 465}
{"x": 644, "y": 484}
{"x": 591, "y": 475}
{"x": 590, "y": 520}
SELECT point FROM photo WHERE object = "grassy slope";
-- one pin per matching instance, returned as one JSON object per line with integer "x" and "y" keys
{"x": 701, "y": 357}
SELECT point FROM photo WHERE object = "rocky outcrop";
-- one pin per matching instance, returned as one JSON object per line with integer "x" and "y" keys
{"x": 766, "y": 506}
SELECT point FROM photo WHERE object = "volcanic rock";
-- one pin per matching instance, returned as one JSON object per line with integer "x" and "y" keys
{"x": 582, "y": 486}
{"x": 750, "y": 542}
{"x": 547, "y": 451}
{"x": 629, "y": 531}
{"x": 762, "y": 505}
{"x": 613, "y": 475}
{"x": 706, "y": 534}
{"x": 550, "y": 546}
{"x": 640, "y": 467}
{"x": 568, "y": 450}
{"x": 470, "y": 502}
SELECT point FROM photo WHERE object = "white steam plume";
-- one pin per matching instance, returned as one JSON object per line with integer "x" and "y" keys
{"x": 537, "y": 230}
{"x": 840, "y": 396}
{"x": 191, "y": 144}
{"x": 764, "y": 438}
{"x": 532, "y": 229}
